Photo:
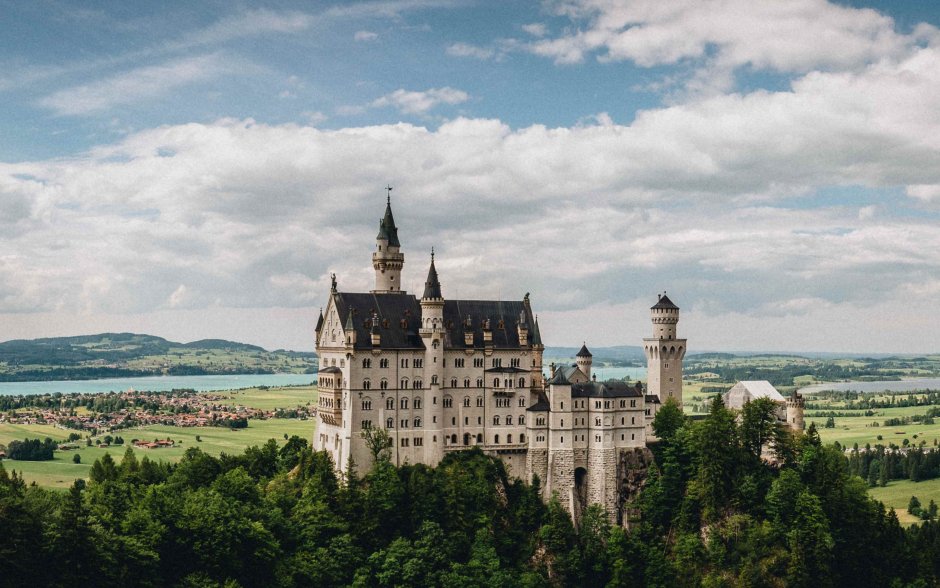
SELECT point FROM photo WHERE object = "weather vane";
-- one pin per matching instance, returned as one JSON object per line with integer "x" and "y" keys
{"x": 388, "y": 193}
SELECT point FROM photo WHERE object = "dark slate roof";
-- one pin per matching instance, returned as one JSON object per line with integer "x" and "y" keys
{"x": 399, "y": 318}
{"x": 608, "y": 389}
{"x": 331, "y": 370}
{"x": 664, "y": 302}
{"x": 387, "y": 228}
{"x": 584, "y": 352}
{"x": 506, "y": 370}
{"x": 559, "y": 378}
{"x": 536, "y": 335}
{"x": 503, "y": 316}
{"x": 540, "y": 406}
{"x": 432, "y": 287}
{"x": 652, "y": 399}
{"x": 320, "y": 321}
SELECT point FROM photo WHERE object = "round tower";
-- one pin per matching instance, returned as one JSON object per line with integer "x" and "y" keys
{"x": 431, "y": 331}
{"x": 387, "y": 260}
{"x": 664, "y": 352}
{"x": 584, "y": 361}
{"x": 795, "y": 406}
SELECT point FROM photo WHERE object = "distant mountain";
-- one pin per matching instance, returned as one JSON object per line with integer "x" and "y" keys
{"x": 133, "y": 354}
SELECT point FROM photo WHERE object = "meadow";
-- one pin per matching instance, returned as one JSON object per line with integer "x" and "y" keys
{"x": 61, "y": 471}
{"x": 898, "y": 493}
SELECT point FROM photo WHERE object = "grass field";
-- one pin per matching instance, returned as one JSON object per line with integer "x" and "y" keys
{"x": 898, "y": 493}
{"x": 850, "y": 430}
{"x": 274, "y": 398}
{"x": 61, "y": 472}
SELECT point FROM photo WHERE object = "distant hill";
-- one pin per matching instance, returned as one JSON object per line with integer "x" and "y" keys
{"x": 133, "y": 354}
{"x": 615, "y": 354}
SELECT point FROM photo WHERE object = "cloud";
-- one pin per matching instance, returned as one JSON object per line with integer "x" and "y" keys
{"x": 409, "y": 102}
{"x": 139, "y": 84}
{"x": 535, "y": 29}
{"x": 466, "y": 50}
{"x": 365, "y": 36}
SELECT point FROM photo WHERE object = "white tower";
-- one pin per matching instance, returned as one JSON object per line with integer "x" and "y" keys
{"x": 387, "y": 259}
{"x": 432, "y": 334}
{"x": 664, "y": 352}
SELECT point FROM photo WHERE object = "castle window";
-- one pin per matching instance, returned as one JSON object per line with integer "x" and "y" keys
{"x": 597, "y": 404}
{"x": 366, "y": 425}
{"x": 466, "y": 382}
{"x": 496, "y": 439}
{"x": 514, "y": 362}
{"x": 562, "y": 439}
{"x": 419, "y": 441}
{"x": 404, "y": 363}
{"x": 383, "y": 363}
{"x": 417, "y": 422}
{"x": 563, "y": 406}
{"x": 433, "y": 380}
{"x": 458, "y": 362}
{"x": 597, "y": 422}
{"x": 389, "y": 423}
{"x": 404, "y": 441}
{"x": 521, "y": 419}
{"x": 522, "y": 382}
{"x": 497, "y": 362}
{"x": 418, "y": 363}
{"x": 666, "y": 365}
{"x": 479, "y": 401}
{"x": 367, "y": 404}
{"x": 479, "y": 420}
{"x": 390, "y": 403}
{"x": 621, "y": 437}
{"x": 607, "y": 404}
{"x": 509, "y": 419}
{"x": 522, "y": 438}
{"x": 632, "y": 420}
{"x": 403, "y": 384}
{"x": 479, "y": 382}
{"x": 540, "y": 421}
{"x": 477, "y": 362}
{"x": 453, "y": 439}
{"x": 448, "y": 402}
{"x": 496, "y": 420}
{"x": 466, "y": 438}
{"x": 404, "y": 403}
{"x": 508, "y": 438}
{"x": 633, "y": 404}
{"x": 479, "y": 437}
{"x": 453, "y": 382}
{"x": 417, "y": 403}
{"x": 366, "y": 363}
{"x": 384, "y": 385}
{"x": 466, "y": 401}
{"x": 453, "y": 422}
{"x": 366, "y": 384}
{"x": 404, "y": 423}
{"x": 418, "y": 384}
{"x": 466, "y": 420}
{"x": 632, "y": 437}
{"x": 622, "y": 421}
{"x": 496, "y": 382}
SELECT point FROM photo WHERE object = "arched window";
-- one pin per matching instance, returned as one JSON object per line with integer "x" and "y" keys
{"x": 418, "y": 384}
{"x": 367, "y": 363}
{"x": 453, "y": 440}
{"x": 466, "y": 438}
{"x": 496, "y": 382}
{"x": 509, "y": 438}
{"x": 466, "y": 401}
{"x": 434, "y": 379}
{"x": 384, "y": 384}
{"x": 366, "y": 384}
{"x": 479, "y": 401}
{"x": 496, "y": 420}
{"x": 390, "y": 403}
{"x": 508, "y": 419}
{"x": 466, "y": 382}
{"x": 417, "y": 421}
{"x": 496, "y": 439}
{"x": 521, "y": 419}
{"x": 522, "y": 382}
{"x": 479, "y": 382}
{"x": 389, "y": 423}
{"x": 448, "y": 402}
{"x": 403, "y": 384}
{"x": 417, "y": 402}
{"x": 383, "y": 363}
{"x": 522, "y": 438}
{"x": 479, "y": 437}
{"x": 453, "y": 382}
{"x": 404, "y": 402}
{"x": 366, "y": 403}
{"x": 597, "y": 421}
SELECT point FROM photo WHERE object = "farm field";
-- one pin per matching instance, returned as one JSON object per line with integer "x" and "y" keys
{"x": 273, "y": 398}
{"x": 859, "y": 429}
{"x": 61, "y": 472}
{"x": 898, "y": 493}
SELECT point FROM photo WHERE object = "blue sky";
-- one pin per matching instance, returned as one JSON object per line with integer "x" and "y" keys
{"x": 199, "y": 169}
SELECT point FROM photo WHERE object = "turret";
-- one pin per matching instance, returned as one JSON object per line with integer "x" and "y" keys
{"x": 795, "y": 406}
{"x": 376, "y": 334}
{"x": 387, "y": 260}
{"x": 522, "y": 329}
{"x": 432, "y": 335}
{"x": 664, "y": 352}
{"x": 350, "y": 330}
{"x": 584, "y": 360}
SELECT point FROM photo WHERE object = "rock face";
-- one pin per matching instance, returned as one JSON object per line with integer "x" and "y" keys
{"x": 632, "y": 471}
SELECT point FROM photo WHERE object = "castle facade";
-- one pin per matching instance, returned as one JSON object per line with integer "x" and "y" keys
{"x": 443, "y": 375}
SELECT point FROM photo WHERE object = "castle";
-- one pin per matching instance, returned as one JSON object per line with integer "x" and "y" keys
{"x": 444, "y": 375}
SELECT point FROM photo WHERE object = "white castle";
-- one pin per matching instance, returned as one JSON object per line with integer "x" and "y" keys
{"x": 444, "y": 375}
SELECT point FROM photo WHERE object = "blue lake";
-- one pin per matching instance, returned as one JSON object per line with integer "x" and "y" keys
{"x": 880, "y": 386}
{"x": 156, "y": 383}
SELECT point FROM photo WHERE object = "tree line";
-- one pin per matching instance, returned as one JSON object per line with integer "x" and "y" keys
{"x": 715, "y": 512}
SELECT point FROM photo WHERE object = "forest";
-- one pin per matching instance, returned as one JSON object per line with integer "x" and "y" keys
{"x": 713, "y": 513}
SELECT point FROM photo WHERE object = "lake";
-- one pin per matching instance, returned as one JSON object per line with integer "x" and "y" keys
{"x": 156, "y": 383}
{"x": 879, "y": 386}
{"x": 211, "y": 383}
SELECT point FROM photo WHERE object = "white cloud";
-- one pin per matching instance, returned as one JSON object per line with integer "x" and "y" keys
{"x": 467, "y": 50}
{"x": 535, "y": 29}
{"x": 365, "y": 36}
{"x": 409, "y": 102}
{"x": 139, "y": 84}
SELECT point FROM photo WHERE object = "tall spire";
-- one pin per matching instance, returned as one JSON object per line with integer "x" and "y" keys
{"x": 387, "y": 228}
{"x": 432, "y": 287}
{"x": 536, "y": 336}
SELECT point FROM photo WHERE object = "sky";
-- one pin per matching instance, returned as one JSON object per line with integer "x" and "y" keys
{"x": 199, "y": 169}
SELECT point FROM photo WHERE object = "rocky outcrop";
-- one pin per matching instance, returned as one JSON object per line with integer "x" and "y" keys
{"x": 632, "y": 471}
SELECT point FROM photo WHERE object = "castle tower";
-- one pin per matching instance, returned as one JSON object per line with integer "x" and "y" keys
{"x": 535, "y": 339}
{"x": 387, "y": 259}
{"x": 584, "y": 360}
{"x": 560, "y": 478}
{"x": 795, "y": 405}
{"x": 432, "y": 334}
{"x": 664, "y": 352}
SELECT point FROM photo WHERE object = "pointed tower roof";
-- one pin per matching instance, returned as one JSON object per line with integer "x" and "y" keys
{"x": 349, "y": 322}
{"x": 584, "y": 351}
{"x": 387, "y": 228}
{"x": 664, "y": 302}
{"x": 432, "y": 287}
{"x": 536, "y": 336}
{"x": 320, "y": 321}
{"x": 559, "y": 378}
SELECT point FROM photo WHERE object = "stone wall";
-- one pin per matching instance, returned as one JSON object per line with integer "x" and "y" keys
{"x": 536, "y": 464}
{"x": 602, "y": 476}
{"x": 632, "y": 471}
